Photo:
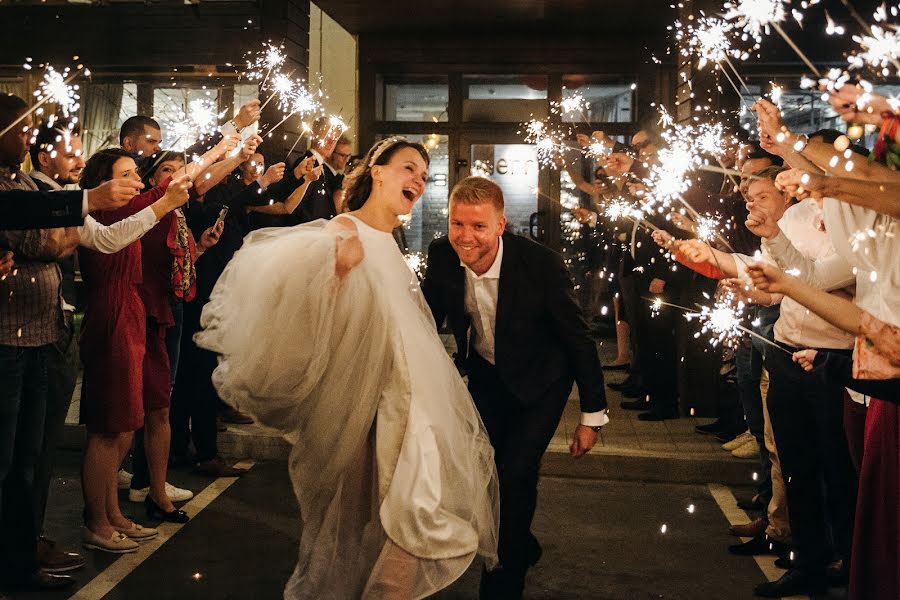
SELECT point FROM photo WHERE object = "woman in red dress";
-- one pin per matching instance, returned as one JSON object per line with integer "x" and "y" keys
{"x": 113, "y": 342}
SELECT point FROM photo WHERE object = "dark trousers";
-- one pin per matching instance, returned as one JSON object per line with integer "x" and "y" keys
{"x": 749, "y": 363}
{"x": 62, "y": 373}
{"x": 630, "y": 305}
{"x": 194, "y": 400}
{"x": 658, "y": 350}
{"x": 141, "y": 477}
{"x": 698, "y": 362}
{"x": 520, "y": 435}
{"x": 807, "y": 419}
{"x": 23, "y": 407}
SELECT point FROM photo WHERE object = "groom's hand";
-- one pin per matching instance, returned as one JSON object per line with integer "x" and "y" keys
{"x": 583, "y": 440}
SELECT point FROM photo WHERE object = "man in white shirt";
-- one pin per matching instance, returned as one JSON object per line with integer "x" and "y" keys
{"x": 805, "y": 410}
{"x": 523, "y": 340}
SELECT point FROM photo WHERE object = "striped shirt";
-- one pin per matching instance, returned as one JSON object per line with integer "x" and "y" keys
{"x": 30, "y": 303}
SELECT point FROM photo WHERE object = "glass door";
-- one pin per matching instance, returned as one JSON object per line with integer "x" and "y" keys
{"x": 530, "y": 210}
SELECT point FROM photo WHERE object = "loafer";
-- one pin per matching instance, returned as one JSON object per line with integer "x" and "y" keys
{"x": 116, "y": 543}
{"x": 793, "y": 583}
{"x": 837, "y": 574}
{"x": 138, "y": 533}
{"x": 175, "y": 494}
{"x": 752, "y": 529}
{"x": 52, "y": 560}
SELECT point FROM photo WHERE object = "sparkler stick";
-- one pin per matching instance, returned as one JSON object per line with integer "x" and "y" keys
{"x": 796, "y": 49}
{"x": 727, "y": 171}
{"x": 659, "y": 301}
{"x": 736, "y": 74}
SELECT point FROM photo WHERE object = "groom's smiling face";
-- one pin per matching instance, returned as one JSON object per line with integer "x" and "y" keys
{"x": 474, "y": 233}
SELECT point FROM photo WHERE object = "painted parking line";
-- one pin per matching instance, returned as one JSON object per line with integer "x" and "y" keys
{"x": 110, "y": 577}
{"x": 736, "y": 516}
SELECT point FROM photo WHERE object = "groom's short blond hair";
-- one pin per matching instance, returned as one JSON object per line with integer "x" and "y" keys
{"x": 478, "y": 190}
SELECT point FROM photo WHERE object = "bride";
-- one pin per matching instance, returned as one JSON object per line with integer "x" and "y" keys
{"x": 324, "y": 336}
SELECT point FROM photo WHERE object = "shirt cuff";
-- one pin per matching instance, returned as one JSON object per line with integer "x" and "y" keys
{"x": 262, "y": 186}
{"x": 593, "y": 221}
{"x": 147, "y": 218}
{"x": 228, "y": 128}
{"x": 84, "y": 204}
{"x": 777, "y": 245}
{"x": 594, "y": 419}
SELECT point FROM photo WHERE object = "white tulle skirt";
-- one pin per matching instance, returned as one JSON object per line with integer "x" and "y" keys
{"x": 391, "y": 466}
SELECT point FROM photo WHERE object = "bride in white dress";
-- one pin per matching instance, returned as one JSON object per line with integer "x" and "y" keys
{"x": 324, "y": 336}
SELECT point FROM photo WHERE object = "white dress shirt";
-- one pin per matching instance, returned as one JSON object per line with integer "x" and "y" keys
{"x": 480, "y": 301}
{"x": 797, "y": 326}
{"x": 107, "y": 239}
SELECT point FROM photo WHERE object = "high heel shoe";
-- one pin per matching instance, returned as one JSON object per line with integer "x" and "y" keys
{"x": 155, "y": 513}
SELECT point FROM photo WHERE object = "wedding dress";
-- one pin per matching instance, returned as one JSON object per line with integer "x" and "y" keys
{"x": 391, "y": 465}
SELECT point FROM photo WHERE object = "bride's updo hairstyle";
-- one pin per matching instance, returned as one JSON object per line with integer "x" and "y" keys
{"x": 359, "y": 181}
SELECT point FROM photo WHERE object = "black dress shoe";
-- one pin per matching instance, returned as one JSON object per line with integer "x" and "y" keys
{"x": 837, "y": 574}
{"x": 155, "y": 513}
{"x": 635, "y": 404}
{"x": 634, "y": 392}
{"x": 657, "y": 415}
{"x": 784, "y": 561}
{"x": 792, "y": 583}
{"x": 40, "y": 580}
{"x": 757, "y": 546}
{"x": 713, "y": 428}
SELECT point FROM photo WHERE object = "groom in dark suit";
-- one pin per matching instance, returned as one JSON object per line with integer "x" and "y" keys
{"x": 522, "y": 340}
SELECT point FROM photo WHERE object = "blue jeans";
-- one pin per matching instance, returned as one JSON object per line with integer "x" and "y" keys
{"x": 23, "y": 405}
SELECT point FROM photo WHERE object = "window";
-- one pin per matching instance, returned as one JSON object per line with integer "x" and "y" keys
{"x": 504, "y": 98}
{"x": 606, "y": 99}
{"x": 419, "y": 98}
{"x": 804, "y": 111}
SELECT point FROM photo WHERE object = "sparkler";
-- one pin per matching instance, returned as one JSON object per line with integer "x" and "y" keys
{"x": 548, "y": 140}
{"x": 271, "y": 57}
{"x": 417, "y": 263}
{"x": 54, "y": 87}
{"x": 191, "y": 125}
{"x": 756, "y": 17}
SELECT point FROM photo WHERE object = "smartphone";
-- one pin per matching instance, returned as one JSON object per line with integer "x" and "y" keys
{"x": 222, "y": 214}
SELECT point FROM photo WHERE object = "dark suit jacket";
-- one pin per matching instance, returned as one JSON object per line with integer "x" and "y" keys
{"x": 66, "y": 265}
{"x": 540, "y": 334}
{"x": 20, "y": 209}
{"x": 318, "y": 201}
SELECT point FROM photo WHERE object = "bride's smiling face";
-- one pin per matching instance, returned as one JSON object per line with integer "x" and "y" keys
{"x": 402, "y": 180}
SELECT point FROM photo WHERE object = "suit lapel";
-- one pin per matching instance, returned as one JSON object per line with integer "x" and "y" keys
{"x": 506, "y": 288}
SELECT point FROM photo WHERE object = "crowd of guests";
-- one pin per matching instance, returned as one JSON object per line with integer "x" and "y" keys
{"x": 811, "y": 256}
{"x": 150, "y": 235}
{"x": 809, "y": 252}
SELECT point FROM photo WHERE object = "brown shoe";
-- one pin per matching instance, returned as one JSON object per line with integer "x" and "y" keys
{"x": 232, "y": 415}
{"x": 52, "y": 560}
{"x": 216, "y": 467}
{"x": 752, "y": 529}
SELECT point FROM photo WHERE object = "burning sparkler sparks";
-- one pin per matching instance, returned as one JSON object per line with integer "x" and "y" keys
{"x": 722, "y": 321}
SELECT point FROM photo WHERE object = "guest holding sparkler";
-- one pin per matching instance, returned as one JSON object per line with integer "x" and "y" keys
{"x": 114, "y": 337}
{"x": 793, "y": 395}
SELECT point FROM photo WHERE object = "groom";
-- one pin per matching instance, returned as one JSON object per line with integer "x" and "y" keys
{"x": 522, "y": 340}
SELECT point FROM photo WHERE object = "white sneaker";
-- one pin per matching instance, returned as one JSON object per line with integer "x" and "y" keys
{"x": 175, "y": 494}
{"x": 748, "y": 450}
{"x": 124, "y": 479}
{"x": 738, "y": 441}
